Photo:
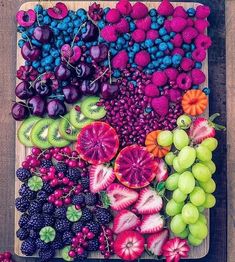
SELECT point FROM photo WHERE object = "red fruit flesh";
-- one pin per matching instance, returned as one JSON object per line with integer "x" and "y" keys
{"x": 149, "y": 202}
{"x": 151, "y": 224}
{"x": 162, "y": 173}
{"x": 97, "y": 143}
{"x": 59, "y": 11}
{"x": 100, "y": 177}
{"x": 125, "y": 220}
{"x": 156, "y": 241}
{"x": 26, "y": 18}
{"x": 129, "y": 245}
{"x": 135, "y": 167}
{"x": 120, "y": 196}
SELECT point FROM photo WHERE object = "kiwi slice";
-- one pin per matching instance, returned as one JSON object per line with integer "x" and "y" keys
{"x": 64, "y": 253}
{"x": 25, "y": 129}
{"x": 39, "y": 134}
{"x": 90, "y": 109}
{"x": 67, "y": 130}
{"x": 77, "y": 118}
{"x": 54, "y": 136}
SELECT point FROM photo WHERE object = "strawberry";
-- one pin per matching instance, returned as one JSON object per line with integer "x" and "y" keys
{"x": 121, "y": 197}
{"x": 162, "y": 172}
{"x": 151, "y": 224}
{"x": 129, "y": 245}
{"x": 203, "y": 128}
{"x": 101, "y": 177}
{"x": 175, "y": 248}
{"x": 156, "y": 241}
{"x": 125, "y": 220}
{"x": 149, "y": 201}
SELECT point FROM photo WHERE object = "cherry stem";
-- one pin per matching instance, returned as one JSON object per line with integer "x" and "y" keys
{"x": 79, "y": 29}
{"x": 37, "y": 14}
{"x": 110, "y": 68}
{"x": 31, "y": 85}
{"x": 69, "y": 193}
{"x": 22, "y": 104}
{"x": 29, "y": 40}
{"x": 100, "y": 76}
{"x": 68, "y": 63}
{"x": 42, "y": 153}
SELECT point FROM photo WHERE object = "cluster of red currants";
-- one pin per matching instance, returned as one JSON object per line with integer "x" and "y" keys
{"x": 106, "y": 242}
{"x": 6, "y": 257}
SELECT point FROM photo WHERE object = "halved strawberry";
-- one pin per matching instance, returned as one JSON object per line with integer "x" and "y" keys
{"x": 156, "y": 241}
{"x": 175, "y": 248}
{"x": 120, "y": 196}
{"x": 149, "y": 201}
{"x": 129, "y": 245}
{"x": 101, "y": 177}
{"x": 125, "y": 220}
{"x": 151, "y": 224}
{"x": 162, "y": 172}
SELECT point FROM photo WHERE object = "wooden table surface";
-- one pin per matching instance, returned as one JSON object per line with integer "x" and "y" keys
{"x": 219, "y": 250}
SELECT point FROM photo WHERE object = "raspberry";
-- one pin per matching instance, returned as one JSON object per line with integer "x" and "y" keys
{"x": 22, "y": 234}
{"x": 124, "y": 7}
{"x": 187, "y": 64}
{"x": 48, "y": 208}
{"x": 201, "y": 25}
{"x": 113, "y": 16}
{"x": 86, "y": 215}
{"x": 103, "y": 215}
{"x": 202, "y": 11}
{"x": 165, "y": 8}
{"x": 203, "y": 41}
{"x": 171, "y": 73}
{"x": 91, "y": 199}
{"x": 28, "y": 247}
{"x": 94, "y": 227}
{"x": 36, "y": 221}
{"x": 67, "y": 238}
{"x": 77, "y": 227}
{"x": 78, "y": 199}
{"x": 25, "y": 191}
{"x": 159, "y": 78}
{"x": 122, "y": 26}
{"x": 138, "y": 35}
{"x": 46, "y": 255}
{"x": 177, "y": 41}
{"x": 178, "y": 24}
{"x": 144, "y": 23}
{"x": 180, "y": 12}
{"x": 198, "y": 76}
{"x": 60, "y": 212}
{"x": 189, "y": 34}
{"x": 120, "y": 60}
{"x": 46, "y": 163}
{"x": 139, "y": 10}
{"x": 22, "y": 204}
{"x": 74, "y": 174}
{"x": 184, "y": 81}
{"x": 109, "y": 33}
{"x": 62, "y": 225}
{"x": 93, "y": 245}
{"x": 142, "y": 58}
{"x": 23, "y": 174}
{"x": 199, "y": 55}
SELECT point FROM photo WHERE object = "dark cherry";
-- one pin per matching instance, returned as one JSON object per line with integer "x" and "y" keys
{"x": 23, "y": 90}
{"x": 84, "y": 71}
{"x": 42, "y": 34}
{"x": 108, "y": 90}
{"x": 89, "y": 88}
{"x": 92, "y": 32}
{"x": 30, "y": 52}
{"x": 37, "y": 105}
{"x": 71, "y": 94}
{"x": 99, "y": 52}
{"x": 56, "y": 108}
{"x": 19, "y": 111}
{"x": 62, "y": 72}
{"x": 43, "y": 87}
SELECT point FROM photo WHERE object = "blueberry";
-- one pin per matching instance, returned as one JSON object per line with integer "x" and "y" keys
{"x": 77, "y": 23}
{"x": 193, "y": 47}
{"x": 54, "y": 23}
{"x": 163, "y": 66}
{"x": 154, "y": 19}
{"x": 166, "y": 38}
{"x": 152, "y": 12}
{"x": 106, "y": 10}
{"x": 152, "y": 56}
{"x": 113, "y": 51}
{"x": 188, "y": 55}
{"x": 160, "y": 20}
{"x": 57, "y": 61}
{"x": 31, "y": 30}
{"x": 132, "y": 26}
{"x": 46, "y": 47}
{"x": 167, "y": 60}
{"x": 158, "y": 41}
{"x": 47, "y": 20}
{"x": 56, "y": 31}
{"x": 84, "y": 18}
{"x": 149, "y": 43}
{"x": 55, "y": 53}
{"x": 36, "y": 64}
{"x": 71, "y": 24}
{"x": 191, "y": 12}
{"x": 176, "y": 59}
{"x": 195, "y": 87}
{"x": 40, "y": 70}
{"x": 162, "y": 31}
{"x": 159, "y": 54}
{"x": 116, "y": 73}
{"x": 198, "y": 65}
{"x": 150, "y": 66}
{"x": 36, "y": 43}
{"x": 81, "y": 12}
{"x": 67, "y": 19}
{"x": 44, "y": 12}
{"x": 59, "y": 43}
{"x": 154, "y": 26}
{"x": 172, "y": 34}
{"x": 67, "y": 39}
{"x": 186, "y": 47}
{"x": 206, "y": 90}
{"x": 44, "y": 54}
{"x": 21, "y": 43}
{"x": 101, "y": 24}
{"x": 48, "y": 68}
{"x": 49, "y": 59}
{"x": 170, "y": 46}
{"x": 38, "y": 9}
{"x": 136, "y": 47}
{"x": 163, "y": 46}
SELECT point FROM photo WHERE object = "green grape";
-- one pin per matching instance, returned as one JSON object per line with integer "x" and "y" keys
{"x": 202, "y": 218}
{"x": 210, "y": 201}
{"x": 211, "y": 165}
{"x": 186, "y": 182}
{"x": 177, "y": 166}
{"x": 209, "y": 186}
{"x": 193, "y": 241}
{"x": 180, "y": 139}
{"x": 198, "y": 230}
{"x": 201, "y": 209}
{"x": 197, "y": 196}
{"x": 169, "y": 158}
{"x": 172, "y": 182}
{"x": 211, "y": 143}
{"x": 184, "y": 121}
{"x": 165, "y": 138}
{"x": 177, "y": 224}
{"x": 183, "y": 234}
{"x": 190, "y": 213}
{"x": 187, "y": 157}
{"x": 203, "y": 153}
{"x": 173, "y": 208}
{"x": 178, "y": 196}
{"x": 201, "y": 172}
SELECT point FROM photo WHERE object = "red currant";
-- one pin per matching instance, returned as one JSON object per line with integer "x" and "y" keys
{"x": 72, "y": 253}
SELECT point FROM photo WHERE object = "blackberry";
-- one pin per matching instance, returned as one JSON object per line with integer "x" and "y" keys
{"x": 83, "y": 256}
{"x": 91, "y": 199}
{"x": 34, "y": 234}
{"x": 57, "y": 243}
{"x": 67, "y": 238}
{"x": 94, "y": 227}
{"x": 46, "y": 255}
{"x": 23, "y": 221}
{"x": 61, "y": 167}
{"x": 78, "y": 199}
{"x": 22, "y": 204}
{"x": 48, "y": 220}
{"x": 41, "y": 244}
{"x": 22, "y": 233}
{"x": 25, "y": 191}
{"x": 46, "y": 163}
{"x": 93, "y": 245}
{"x": 42, "y": 196}
{"x": 62, "y": 225}
{"x": 103, "y": 215}
{"x": 47, "y": 188}
{"x": 36, "y": 222}
{"x": 85, "y": 182}
{"x": 35, "y": 208}
{"x": 60, "y": 212}
{"x": 48, "y": 208}
{"x": 77, "y": 227}
{"x": 74, "y": 174}
{"x": 28, "y": 247}
{"x": 23, "y": 174}
{"x": 86, "y": 215}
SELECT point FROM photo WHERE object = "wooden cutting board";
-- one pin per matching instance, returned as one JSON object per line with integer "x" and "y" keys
{"x": 21, "y": 151}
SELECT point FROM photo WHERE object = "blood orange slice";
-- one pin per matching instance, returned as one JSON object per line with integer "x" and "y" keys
{"x": 97, "y": 143}
{"x": 135, "y": 167}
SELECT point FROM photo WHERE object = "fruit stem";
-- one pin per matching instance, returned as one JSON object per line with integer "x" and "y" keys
{"x": 216, "y": 126}
{"x": 100, "y": 76}
{"x": 31, "y": 85}
{"x": 22, "y": 104}
{"x": 42, "y": 153}
{"x": 29, "y": 40}
{"x": 110, "y": 68}
{"x": 37, "y": 14}
{"x": 79, "y": 29}
{"x": 106, "y": 239}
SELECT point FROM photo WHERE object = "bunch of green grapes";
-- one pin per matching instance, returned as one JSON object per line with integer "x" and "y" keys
{"x": 191, "y": 182}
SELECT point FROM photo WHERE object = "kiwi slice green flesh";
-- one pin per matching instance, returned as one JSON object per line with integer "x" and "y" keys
{"x": 54, "y": 136}
{"x": 77, "y": 119}
{"x": 39, "y": 134}
{"x": 25, "y": 129}
{"x": 64, "y": 253}
{"x": 67, "y": 130}
{"x": 90, "y": 109}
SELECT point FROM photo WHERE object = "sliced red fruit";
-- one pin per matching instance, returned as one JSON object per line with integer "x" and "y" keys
{"x": 175, "y": 248}
{"x": 149, "y": 201}
{"x": 121, "y": 197}
{"x": 151, "y": 224}
{"x": 125, "y": 220}
{"x": 101, "y": 177}
{"x": 97, "y": 143}
{"x": 129, "y": 245}
{"x": 59, "y": 11}
{"x": 156, "y": 241}
{"x": 162, "y": 172}
{"x": 135, "y": 167}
